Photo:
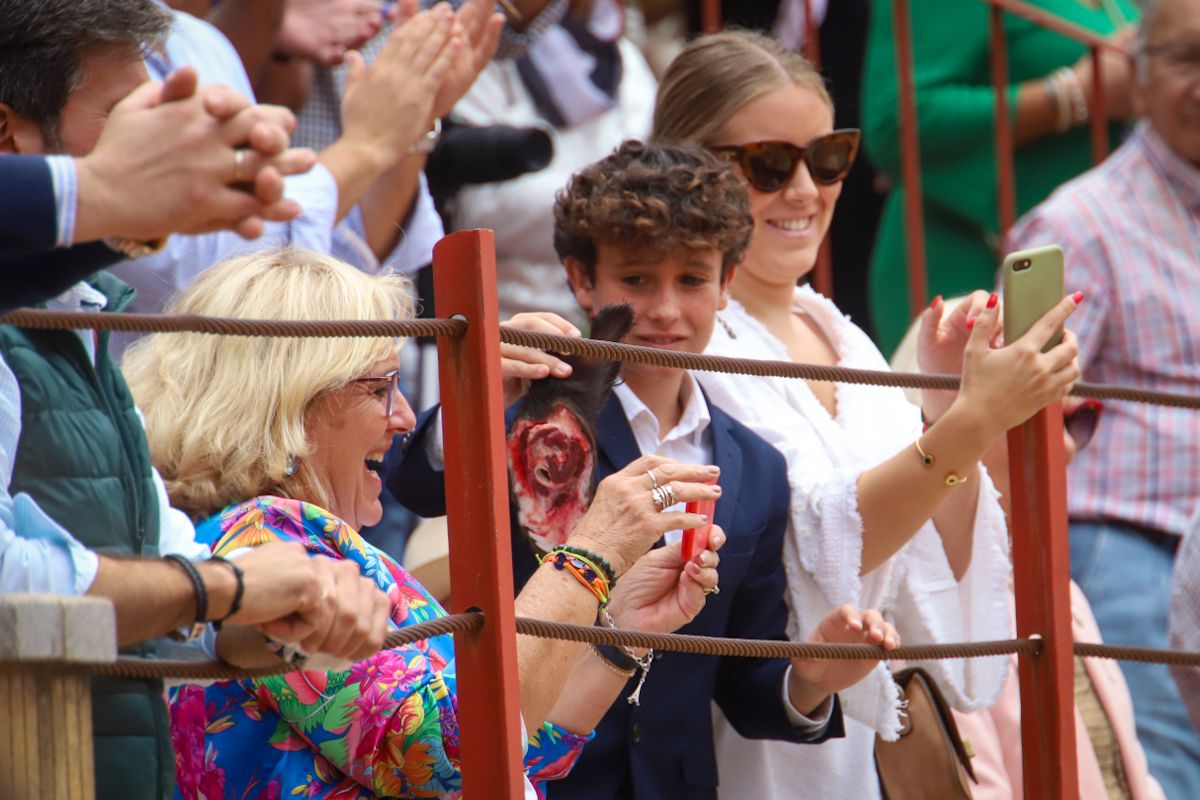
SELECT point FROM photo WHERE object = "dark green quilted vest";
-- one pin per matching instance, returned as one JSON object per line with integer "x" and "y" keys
{"x": 83, "y": 457}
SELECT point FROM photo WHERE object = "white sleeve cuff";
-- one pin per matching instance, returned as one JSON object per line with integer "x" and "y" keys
{"x": 818, "y": 719}
{"x": 66, "y": 196}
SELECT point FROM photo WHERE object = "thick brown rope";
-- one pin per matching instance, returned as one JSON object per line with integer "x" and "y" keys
{"x": 812, "y": 372}
{"x": 228, "y": 326}
{"x": 667, "y": 642}
{"x": 761, "y": 648}
{"x": 220, "y": 671}
{"x": 181, "y": 323}
{"x": 1146, "y": 655}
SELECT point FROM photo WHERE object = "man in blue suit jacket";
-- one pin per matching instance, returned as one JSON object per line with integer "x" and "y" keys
{"x": 661, "y": 228}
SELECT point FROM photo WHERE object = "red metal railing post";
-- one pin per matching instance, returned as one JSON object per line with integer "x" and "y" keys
{"x": 710, "y": 16}
{"x": 1099, "y": 110}
{"x": 914, "y": 217}
{"x": 823, "y": 272}
{"x": 1006, "y": 188}
{"x": 1042, "y": 574}
{"x": 477, "y": 516}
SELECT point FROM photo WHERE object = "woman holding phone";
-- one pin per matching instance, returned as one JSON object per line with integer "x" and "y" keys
{"x": 886, "y": 511}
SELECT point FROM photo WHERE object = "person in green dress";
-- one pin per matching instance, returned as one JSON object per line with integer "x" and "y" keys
{"x": 1050, "y": 95}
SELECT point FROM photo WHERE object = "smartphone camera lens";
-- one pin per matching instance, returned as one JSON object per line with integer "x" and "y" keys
{"x": 1021, "y": 265}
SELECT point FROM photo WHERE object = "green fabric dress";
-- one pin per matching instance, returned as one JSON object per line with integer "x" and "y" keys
{"x": 955, "y": 105}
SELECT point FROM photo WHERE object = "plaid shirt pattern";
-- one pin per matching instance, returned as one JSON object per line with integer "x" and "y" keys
{"x": 1130, "y": 229}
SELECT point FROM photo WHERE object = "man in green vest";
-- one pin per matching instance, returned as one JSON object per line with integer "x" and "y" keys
{"x": 81, "y": 508}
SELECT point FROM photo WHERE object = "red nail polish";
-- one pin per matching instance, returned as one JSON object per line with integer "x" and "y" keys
{"x": 970, "y": 324}
{"x": 937, "y": 301}
{"x": 992, "y": 300}
{"x": 1077, "y": 297}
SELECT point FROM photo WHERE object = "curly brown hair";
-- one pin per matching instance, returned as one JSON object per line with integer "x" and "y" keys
{"x": 657, "y": 198}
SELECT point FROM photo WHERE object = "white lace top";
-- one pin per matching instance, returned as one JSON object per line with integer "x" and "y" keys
{"x": 915, "y": 589}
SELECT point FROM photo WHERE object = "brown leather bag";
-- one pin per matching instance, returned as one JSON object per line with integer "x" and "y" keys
{"x": 929, "y": 761}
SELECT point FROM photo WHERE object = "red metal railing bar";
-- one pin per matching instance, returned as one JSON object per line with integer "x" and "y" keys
{"x": 477, "y": 516}
{"x": 1041, "y": 576}
{"x": 823, "y": 272}
{"x": 1006, "y": 184}
{"x": 910, "y": 157}
{"x": 710, "y": 16}
{"x": 1099, "y": 110}
{"x": 1055, "y": 23}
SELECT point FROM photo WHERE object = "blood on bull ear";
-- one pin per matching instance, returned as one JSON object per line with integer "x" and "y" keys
{"x": 551, "y": 444}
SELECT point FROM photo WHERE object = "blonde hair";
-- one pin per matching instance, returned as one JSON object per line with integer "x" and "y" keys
{"x": 715, "y": 76}
{"x": 225, "y": 415}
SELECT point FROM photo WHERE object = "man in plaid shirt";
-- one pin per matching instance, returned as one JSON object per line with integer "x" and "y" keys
{"x": 1130, "y": 229}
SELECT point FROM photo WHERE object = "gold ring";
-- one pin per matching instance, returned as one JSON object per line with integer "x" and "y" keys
{"x": 239, "y": 166}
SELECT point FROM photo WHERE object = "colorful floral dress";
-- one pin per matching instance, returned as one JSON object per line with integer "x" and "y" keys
{"x": 387, "y": 727}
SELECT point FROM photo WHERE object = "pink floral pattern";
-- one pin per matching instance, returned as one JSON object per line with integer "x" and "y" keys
{"x": 386, "y": 727}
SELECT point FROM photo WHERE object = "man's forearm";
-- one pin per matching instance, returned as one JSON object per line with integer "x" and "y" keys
{"x": 354, "y": 168}
{"x": 388, "y": 204}
{"x": 152, "y": 596}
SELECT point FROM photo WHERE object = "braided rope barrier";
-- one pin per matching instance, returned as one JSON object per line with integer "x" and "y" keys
{"x": 813, "y": 372}
{"x": 670, "y": 642}
{"x": 43, "y": 319}
{"x": 187, "y": 323}
{"x": 1146, "y": 655}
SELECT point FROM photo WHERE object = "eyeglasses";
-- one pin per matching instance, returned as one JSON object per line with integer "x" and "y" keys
{"x": 1081, "y": 421}
{"x": 1181, "y": 58}
{"x": 770, "y": 166}
{"x": 393, "y": 387}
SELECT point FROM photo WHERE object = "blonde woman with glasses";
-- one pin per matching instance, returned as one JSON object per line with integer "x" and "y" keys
{"x": 884, "y": 513}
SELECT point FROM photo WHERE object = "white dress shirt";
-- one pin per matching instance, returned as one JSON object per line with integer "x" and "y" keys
{"x": 690, "y": 442}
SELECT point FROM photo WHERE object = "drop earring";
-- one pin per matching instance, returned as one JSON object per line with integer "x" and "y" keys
{"x": 291, "y": 467}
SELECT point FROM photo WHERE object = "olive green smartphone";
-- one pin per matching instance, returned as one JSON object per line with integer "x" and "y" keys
{"x": 1033, "y": 284}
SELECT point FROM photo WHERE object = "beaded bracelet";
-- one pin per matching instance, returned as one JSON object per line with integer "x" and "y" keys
{"x": 598, "y": 561}
{"x": 583, "y": 569}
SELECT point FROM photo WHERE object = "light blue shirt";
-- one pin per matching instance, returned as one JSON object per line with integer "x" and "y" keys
{"x": 36, "y": 553}
{"x": 159, "y": 276}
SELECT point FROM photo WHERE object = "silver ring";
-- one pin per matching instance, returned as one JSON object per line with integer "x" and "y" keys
{"x": 668, "y": 495}
{"x": 239, "y": 165}
{"x": 653, "y": 479}
{"x": 659, "y": 497}
{"x": 713, "y": 590}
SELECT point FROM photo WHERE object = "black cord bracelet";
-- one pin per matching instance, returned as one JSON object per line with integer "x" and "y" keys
{"x": 197, "y": 584}
{"x": 237, "y": 593}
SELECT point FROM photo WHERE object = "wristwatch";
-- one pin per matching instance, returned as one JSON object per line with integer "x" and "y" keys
{"x": 134, "y": 248}
{"x": 426, "y": 143}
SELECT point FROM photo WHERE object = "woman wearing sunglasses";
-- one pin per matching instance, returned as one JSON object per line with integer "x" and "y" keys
{"x": 884, "y": 511}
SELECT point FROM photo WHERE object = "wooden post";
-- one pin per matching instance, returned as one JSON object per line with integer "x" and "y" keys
{"x": 46, "y": 714}
{"x": 1042, "y": 574}
{"x": 464, "y": 265}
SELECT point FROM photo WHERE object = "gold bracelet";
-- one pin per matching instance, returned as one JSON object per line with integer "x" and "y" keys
{"x": 927, "y": 461}
{"x": 624, "y": 673}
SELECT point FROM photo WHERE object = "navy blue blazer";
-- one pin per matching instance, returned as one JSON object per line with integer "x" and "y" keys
{"x": 31, "y": 269}
{"x": 664, "y": 748}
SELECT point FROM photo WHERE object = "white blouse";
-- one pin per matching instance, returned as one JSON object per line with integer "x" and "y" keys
{"x": 915, "y": 589}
